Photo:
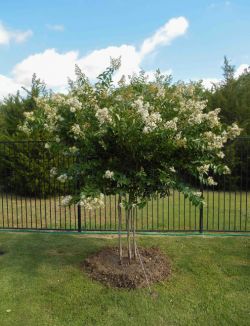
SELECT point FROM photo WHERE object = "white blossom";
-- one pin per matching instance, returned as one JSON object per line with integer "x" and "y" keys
{"x": 53, "y": 171}
{"x": 73, "y": 149}
{"x": 91, "y": 203}
{"x": 151, "y": 122}
{"x": 161, "y": 91}
{"x": 203, "y": 169}
{"x": 212, "y": 118}
{"x": 65, "y": 201}
{"x": 214, "y": 141}
{"x": 62, "y": 178}
{"x": 103, "y": 115}
{"x": 25, "y": 128}
{"x": 226, "y": 170}
{"x": 29, "y": 115}
{"x": 74, "y": 104}
{"x": 197, "y": 193}
{"x": 172, "y": 169}
{"x": 211, "y": 182}
{"x": 60, "y": 118}
{"x": 196, "y": 119}
{"x": 233, "y": 131}
{"x": 180, "y": 141}
{"x": 171, "y": 124}
{"x": 76, "y": 130}
{"x": 109, "y": 174}
{"x": 221, "y": 155}
{"x": 58, "y": 99}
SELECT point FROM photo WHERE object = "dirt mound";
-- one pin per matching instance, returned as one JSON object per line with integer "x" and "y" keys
{"x": 104, "y": 266}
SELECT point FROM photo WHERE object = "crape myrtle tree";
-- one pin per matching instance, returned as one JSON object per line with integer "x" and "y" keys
{"x": 133, "y": 140}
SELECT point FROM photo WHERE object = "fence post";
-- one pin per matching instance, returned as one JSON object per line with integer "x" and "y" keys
{"x": 79, "y": 218}
{"x": 201, "y": 210}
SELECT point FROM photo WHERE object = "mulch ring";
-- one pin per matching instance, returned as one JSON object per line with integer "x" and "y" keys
{"x": 104, "y": 266}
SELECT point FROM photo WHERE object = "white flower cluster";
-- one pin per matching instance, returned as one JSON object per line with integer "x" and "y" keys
{"x": 108, "y": 174}
{"x": 233, "y": 131}
{"x": 74, "y": 104}
{"x": 211, "y": 182}
{"x": 193, "y": 106}
{"x": 214, "y": 141}
{"x": 76, "y": 130}
{"x": 180, "y": 141}
{"x": 25, "y": 128}
{"x": 195, "y": 119}
{"x": 226, "y": 170}
{"x": 203, "y": 169}
{"x": 142, "y": 108}
{"x": 220, "y": 154}
{"x": 53, "y": 172}
{"x": 151, "y": 120}
{"x": 103, "y": 116}
{"x": 172, "y": 169}
{"x": 65, "y": 201}
{"x": 73, "y": 149}
{"x": 160, "y": 91}
{"x": 29, "y": 116}
{"x": 52, "y": 117}
{"x": 171, "y": 124}
{"x": 62, "y": 178}
{"x": 58, "y": 99}
{"x": 197, "y": 193}
{"x": 212, "y": 118}
{"x": 92, "y": 203}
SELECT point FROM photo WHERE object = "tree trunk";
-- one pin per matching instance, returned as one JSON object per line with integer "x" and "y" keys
{"x": 133, "y": 232}
{"x": 128, "y": 215}
{"x": 120, "y": 227}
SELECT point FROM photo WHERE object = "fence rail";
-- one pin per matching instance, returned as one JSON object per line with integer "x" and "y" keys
{"x": 30, "y": 198}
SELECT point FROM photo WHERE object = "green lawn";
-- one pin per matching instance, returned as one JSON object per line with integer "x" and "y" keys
{"x": 227, "y": 211}
{"x": 42, "y": 284}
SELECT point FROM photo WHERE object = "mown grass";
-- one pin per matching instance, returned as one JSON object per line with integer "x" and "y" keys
{"x": 227, "y": 211}
{"x": 42, "y": 283}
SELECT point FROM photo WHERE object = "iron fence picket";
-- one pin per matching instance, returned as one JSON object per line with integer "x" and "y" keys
{"x": 30, "y": 199}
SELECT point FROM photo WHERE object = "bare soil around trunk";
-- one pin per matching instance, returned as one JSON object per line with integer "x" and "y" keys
{"x": 105, "y": 267}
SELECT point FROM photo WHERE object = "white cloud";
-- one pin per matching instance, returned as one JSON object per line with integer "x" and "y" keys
{"x": 54, "y": 68}
{"x": 208, "y": 83}
{"x": 241, "y": 69}
{"x": 163, "y": 36}
{"x": 8, "y": 86}
{"x": 7, "y": 36}
{"x": 56, "y": 27}
{"x": 94, "y": 63}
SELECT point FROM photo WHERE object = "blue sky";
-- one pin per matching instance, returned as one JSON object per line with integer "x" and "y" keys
{"x": 50, "y": 36}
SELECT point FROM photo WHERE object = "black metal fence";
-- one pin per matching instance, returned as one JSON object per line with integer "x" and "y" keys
{"x": 30, "y": 198}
